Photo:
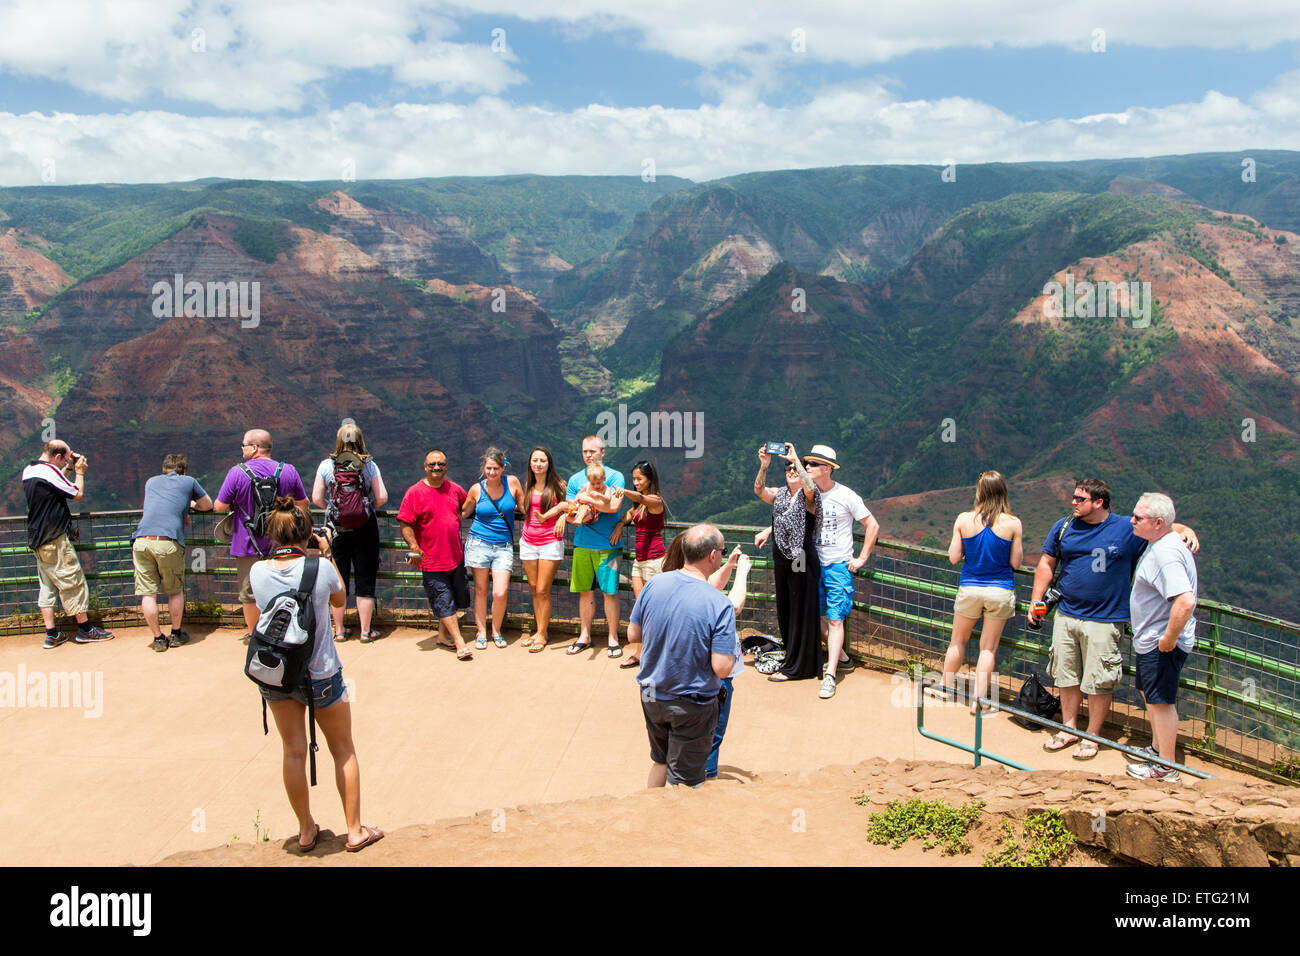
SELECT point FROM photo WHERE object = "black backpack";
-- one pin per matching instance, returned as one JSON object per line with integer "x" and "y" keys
{"x": 1034, "y": 698}
{"x": 281, "y": 645}
{"x": 265, "y": 491}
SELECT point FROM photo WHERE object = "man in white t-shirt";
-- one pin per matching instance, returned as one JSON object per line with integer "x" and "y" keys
{"x": 841, "y": 507}
{"x": 1164, "y": 632}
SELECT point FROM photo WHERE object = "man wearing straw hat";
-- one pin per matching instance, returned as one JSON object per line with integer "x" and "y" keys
{"x": 841, "y": 506}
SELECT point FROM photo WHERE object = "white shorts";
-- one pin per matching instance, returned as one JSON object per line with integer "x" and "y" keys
{"x": 554, "y": 551}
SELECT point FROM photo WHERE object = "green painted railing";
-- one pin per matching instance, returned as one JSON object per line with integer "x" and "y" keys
{"x": 1240, "y": 688}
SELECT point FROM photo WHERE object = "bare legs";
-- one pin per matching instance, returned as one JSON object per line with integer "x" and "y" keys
{"x": 540, "y": 575}
{"x": 1164, "y": 728}
{"x": 336, "y": 723}
{"x": 500, "y": 585}
{"x": 587, "y": 614}
{"x": 990, "y": 635}
{"x": 149, "y": 608}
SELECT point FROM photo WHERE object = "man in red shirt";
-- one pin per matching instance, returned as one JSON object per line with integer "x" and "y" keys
{"x": 430, "y": 518}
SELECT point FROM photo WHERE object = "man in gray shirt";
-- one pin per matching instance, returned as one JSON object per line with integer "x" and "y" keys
{"x": 1164, "y": 631}
{"x": 158, "y": 546}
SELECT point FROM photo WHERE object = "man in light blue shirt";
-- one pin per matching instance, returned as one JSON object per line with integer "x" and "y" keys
{"x": 158, "y": 546}
{"x": 1164, "y": 631}
{"x": 595, "y": 563}
{"x": 687, "y": 631}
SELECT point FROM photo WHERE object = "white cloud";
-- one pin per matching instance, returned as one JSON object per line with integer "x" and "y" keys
{"x": 242, "y": 55}
{"x": 854, "y": 123}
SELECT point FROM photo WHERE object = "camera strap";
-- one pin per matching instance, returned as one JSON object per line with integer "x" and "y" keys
{"x": 1060, "y": 536}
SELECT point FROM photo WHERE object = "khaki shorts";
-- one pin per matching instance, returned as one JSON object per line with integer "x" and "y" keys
{"x": 645, "y": 570}
{"x": 243, "y": 566}
{"x": 59, "y": 571}
{"x": 1085, "y": 654}
{"x": 159, "y": 566}
{"x": 976, "y": 601}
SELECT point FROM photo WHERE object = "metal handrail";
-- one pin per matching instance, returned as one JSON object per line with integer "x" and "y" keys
{"x": 960, "y": 695}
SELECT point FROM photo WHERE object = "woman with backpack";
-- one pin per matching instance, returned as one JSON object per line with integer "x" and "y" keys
{"x": 987, "y": 543}
{"x": 291, "y": 534}
{"x": 540, "y": 551}
{"x": 489, "y": 546}
{"x": 349, "y": 487}
{"x": 648, "y": 516}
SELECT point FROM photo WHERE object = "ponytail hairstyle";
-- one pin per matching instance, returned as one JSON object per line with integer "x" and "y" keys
{"x": 675, "y": 556}
{"x": 288, "y": 525}
{"x": 991, "y": 497}
{"x": 493, "y": 453}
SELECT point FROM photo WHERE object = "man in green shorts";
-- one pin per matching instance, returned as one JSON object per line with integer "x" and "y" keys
{"x": 595, "y": 563}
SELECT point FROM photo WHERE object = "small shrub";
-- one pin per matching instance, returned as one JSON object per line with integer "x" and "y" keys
{"x": 1043, "y": 841}
{"x": 933, "y": 821}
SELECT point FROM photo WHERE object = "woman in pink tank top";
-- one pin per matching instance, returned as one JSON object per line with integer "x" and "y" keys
{"x": 541, "y": 547}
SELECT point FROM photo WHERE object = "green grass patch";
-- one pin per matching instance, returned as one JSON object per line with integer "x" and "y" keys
{"x": 933, "y": 822}
{"x": 1042, "y": 840}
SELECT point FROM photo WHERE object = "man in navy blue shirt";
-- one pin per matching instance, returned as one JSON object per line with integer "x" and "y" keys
{"x": 1098, "y": 554}
{"x": 687, "y": 629}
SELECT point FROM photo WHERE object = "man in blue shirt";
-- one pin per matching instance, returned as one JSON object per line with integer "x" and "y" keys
{"x": 595, "y": 563}
{"x": 687, "y": 630}
{"x": 158, "y": 546}
{"x": 1098, "y": 554}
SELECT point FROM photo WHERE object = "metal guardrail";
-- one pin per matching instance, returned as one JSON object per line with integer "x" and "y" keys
{"x": 960, "y": 696}
{"x": 1240, "y": 690}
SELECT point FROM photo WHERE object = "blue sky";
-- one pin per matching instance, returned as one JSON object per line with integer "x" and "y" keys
{"x": 237, "y": 88}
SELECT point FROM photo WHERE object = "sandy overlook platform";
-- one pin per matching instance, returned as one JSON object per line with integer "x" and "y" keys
{"x": 176, "y": 762}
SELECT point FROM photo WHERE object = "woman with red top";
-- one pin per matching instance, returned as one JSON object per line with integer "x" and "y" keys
{"x": 541, "y": 547}
{"x": 648, "y": 516}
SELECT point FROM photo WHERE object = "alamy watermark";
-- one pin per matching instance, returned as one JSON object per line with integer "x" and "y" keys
{"x": 216, "y": 300}
{"x": 1098, "y": 300}
{"x": 70, "y": 689}
{"x": 622, "y": 429}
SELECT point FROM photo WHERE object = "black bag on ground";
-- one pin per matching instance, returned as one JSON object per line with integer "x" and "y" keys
{"x": 281, "y": 645}
{"x": 1034, "y": 698}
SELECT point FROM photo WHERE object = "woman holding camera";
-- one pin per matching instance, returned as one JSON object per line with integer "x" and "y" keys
{"x": 291, "y": 533}
{"x": 796, "y": 519}
{"x": 355, "y": 548}
{"x": 987, "y": 542}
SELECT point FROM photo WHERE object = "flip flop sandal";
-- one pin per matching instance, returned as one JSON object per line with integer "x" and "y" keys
{"x": 464, "y": 654}
{"x": 369, "y": 636}
{"x": 499, "y": 641}
{"x": 1087, "y": 750}
{"x": 373, "y": 835}
{"x": 480, "y": 643}
{"x": 1059, "y": 741}
{"x": 578, "y": 648}
{"x": 308, "y": 847}
{"x": 632, "y": 661}
{"x": 536, "y": 647}
{"x": 616, "y": 652}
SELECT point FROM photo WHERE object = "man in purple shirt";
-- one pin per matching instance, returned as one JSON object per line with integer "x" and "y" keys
{"x": 237, "y": 493}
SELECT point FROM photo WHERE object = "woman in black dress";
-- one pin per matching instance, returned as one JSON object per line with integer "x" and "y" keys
{"x": 796, "y": 518}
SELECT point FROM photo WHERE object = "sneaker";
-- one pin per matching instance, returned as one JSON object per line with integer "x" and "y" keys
{"x": 1149, "y": 771}
{"x": 159, "y": 643}
{"x": 178, "y": 637}
{"x": 1148, "y": 751}
{"x": 845, "y": 665}
{"x": 55, "y": 639}
{"x": 828, "y": 687}
{"x": 92, "y": 634}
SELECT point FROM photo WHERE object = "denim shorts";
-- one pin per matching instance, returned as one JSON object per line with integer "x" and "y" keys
{"x": 485, "y": 554}
{"x": 325, "y": 692}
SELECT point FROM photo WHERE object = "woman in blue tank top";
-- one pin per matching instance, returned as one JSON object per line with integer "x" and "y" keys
{"x": 489, "y": 546}
{"x": 989, "y": 539}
